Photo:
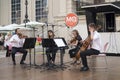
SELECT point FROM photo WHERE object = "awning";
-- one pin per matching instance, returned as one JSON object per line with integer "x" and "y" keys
{"x": 107, "y": 7}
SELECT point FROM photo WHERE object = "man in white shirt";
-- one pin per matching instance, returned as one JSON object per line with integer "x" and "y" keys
{"x": 16, "y": 47}
{"x": 95, "y": 46}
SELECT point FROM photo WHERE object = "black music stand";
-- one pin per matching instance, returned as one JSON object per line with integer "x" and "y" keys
{"x": 46, "y": 42}
{"x": 62, "y": 45}
{"x": 29, "y": 44}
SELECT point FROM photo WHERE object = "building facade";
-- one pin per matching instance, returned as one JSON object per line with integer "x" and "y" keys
{"x": 5, "y": 12}
{"x": 13, "y": 11}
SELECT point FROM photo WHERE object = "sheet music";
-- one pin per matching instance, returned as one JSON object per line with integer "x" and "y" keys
{"x": 59, "y": 42}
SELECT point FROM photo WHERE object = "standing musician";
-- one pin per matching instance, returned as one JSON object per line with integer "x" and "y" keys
{"x": 77, "y": 42}
{"x": 51, "y": 51}
{"x": 17, "y": 46}
{"x": 95, "y": 46}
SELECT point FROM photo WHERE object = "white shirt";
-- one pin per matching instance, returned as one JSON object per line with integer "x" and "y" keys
{"x": 7, "y": 40}
{"x": 21, "y": 42}
{"x": 16, "y": 41}
{"x": 1, "y": 38}
{"x": 96, "y": 42}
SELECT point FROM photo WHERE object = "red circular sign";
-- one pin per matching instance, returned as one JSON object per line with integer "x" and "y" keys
{"x": 71, "y": 20}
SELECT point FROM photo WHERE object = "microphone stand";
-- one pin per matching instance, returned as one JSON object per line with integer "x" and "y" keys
{"x": 42, "y": 66}
{"x": 34, "y": 48}
{"x": 43, "y": 47}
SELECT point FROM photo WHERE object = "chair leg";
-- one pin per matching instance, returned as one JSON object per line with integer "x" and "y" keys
{"x": 92, "y": 60}
{"x": 106, "y": 62}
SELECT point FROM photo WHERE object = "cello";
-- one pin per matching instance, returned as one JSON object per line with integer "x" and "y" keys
{"x": 84, "y": 47}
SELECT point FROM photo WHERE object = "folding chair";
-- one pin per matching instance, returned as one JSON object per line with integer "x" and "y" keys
{"x": 101, "y": 55}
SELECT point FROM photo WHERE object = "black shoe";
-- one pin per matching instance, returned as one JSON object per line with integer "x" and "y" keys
{"x": 47, "y": 64}
{"x": 22, "y": 63}
{"x": 14, "y": 63}
{"x": 53, "y": 64}
{"x": 81, "y": 68}
{"x": 84, "y": 69}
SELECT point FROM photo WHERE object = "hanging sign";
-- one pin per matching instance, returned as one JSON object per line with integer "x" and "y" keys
{"x": 71, "y": 20}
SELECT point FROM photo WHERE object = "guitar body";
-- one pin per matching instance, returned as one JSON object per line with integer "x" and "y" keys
{"x": 84, "y": 47}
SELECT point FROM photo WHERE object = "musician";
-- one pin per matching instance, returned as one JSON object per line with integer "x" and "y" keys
{"x": 77, "y": 42}
{"x": 51, "y": 51}
{"x": 95, "y": 46}
{"x": 7, "y": 44}
{"x": 17, "y": 46}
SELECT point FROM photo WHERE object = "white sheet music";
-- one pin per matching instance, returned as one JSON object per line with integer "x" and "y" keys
{"x": 59, "y": 42}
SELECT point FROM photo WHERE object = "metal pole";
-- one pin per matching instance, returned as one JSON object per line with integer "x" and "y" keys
{"x": 43, "y": 47}
{"x": 25, "y": 21}
{"x": 26, "y": 13}
{"x": 53, "y": 27}
{"x": 34, "y": 50}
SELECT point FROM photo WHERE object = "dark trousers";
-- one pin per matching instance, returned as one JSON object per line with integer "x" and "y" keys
{"x": 87, "y": 53}
{"x": 8, "y": 52}
{"x": 73, "y": 52}
{"x": 21, "y": 50}
{"x": 51, "y": 54}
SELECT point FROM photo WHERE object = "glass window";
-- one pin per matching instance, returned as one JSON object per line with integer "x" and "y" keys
{"x": 13, "y": 1}
{"x": 40, "y": 10}
{"x": 15, "y": 11}
{"x": 106, "y": 22}
{"x": 77, "y": 7}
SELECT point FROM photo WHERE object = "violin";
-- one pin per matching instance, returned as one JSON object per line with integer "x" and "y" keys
{"x": 73, "y": 41}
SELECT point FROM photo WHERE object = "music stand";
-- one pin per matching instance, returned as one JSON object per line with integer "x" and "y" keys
{"x": 62, "y": 45}
{"x": 29, "y": 44}
{"x": 46, "y": 42}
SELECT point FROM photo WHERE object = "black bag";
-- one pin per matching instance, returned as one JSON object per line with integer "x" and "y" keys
{"x": 73, "y": 52}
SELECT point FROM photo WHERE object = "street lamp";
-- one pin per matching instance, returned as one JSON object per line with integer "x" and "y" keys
{"x": 26, "y": 13}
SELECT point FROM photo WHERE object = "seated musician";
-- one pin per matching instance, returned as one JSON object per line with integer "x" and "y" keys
{"x": 51, "y": 51}
{"x": 95, "y": 46}
{"x": 77, "y": 42}
{"x": 17, "y": 46}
